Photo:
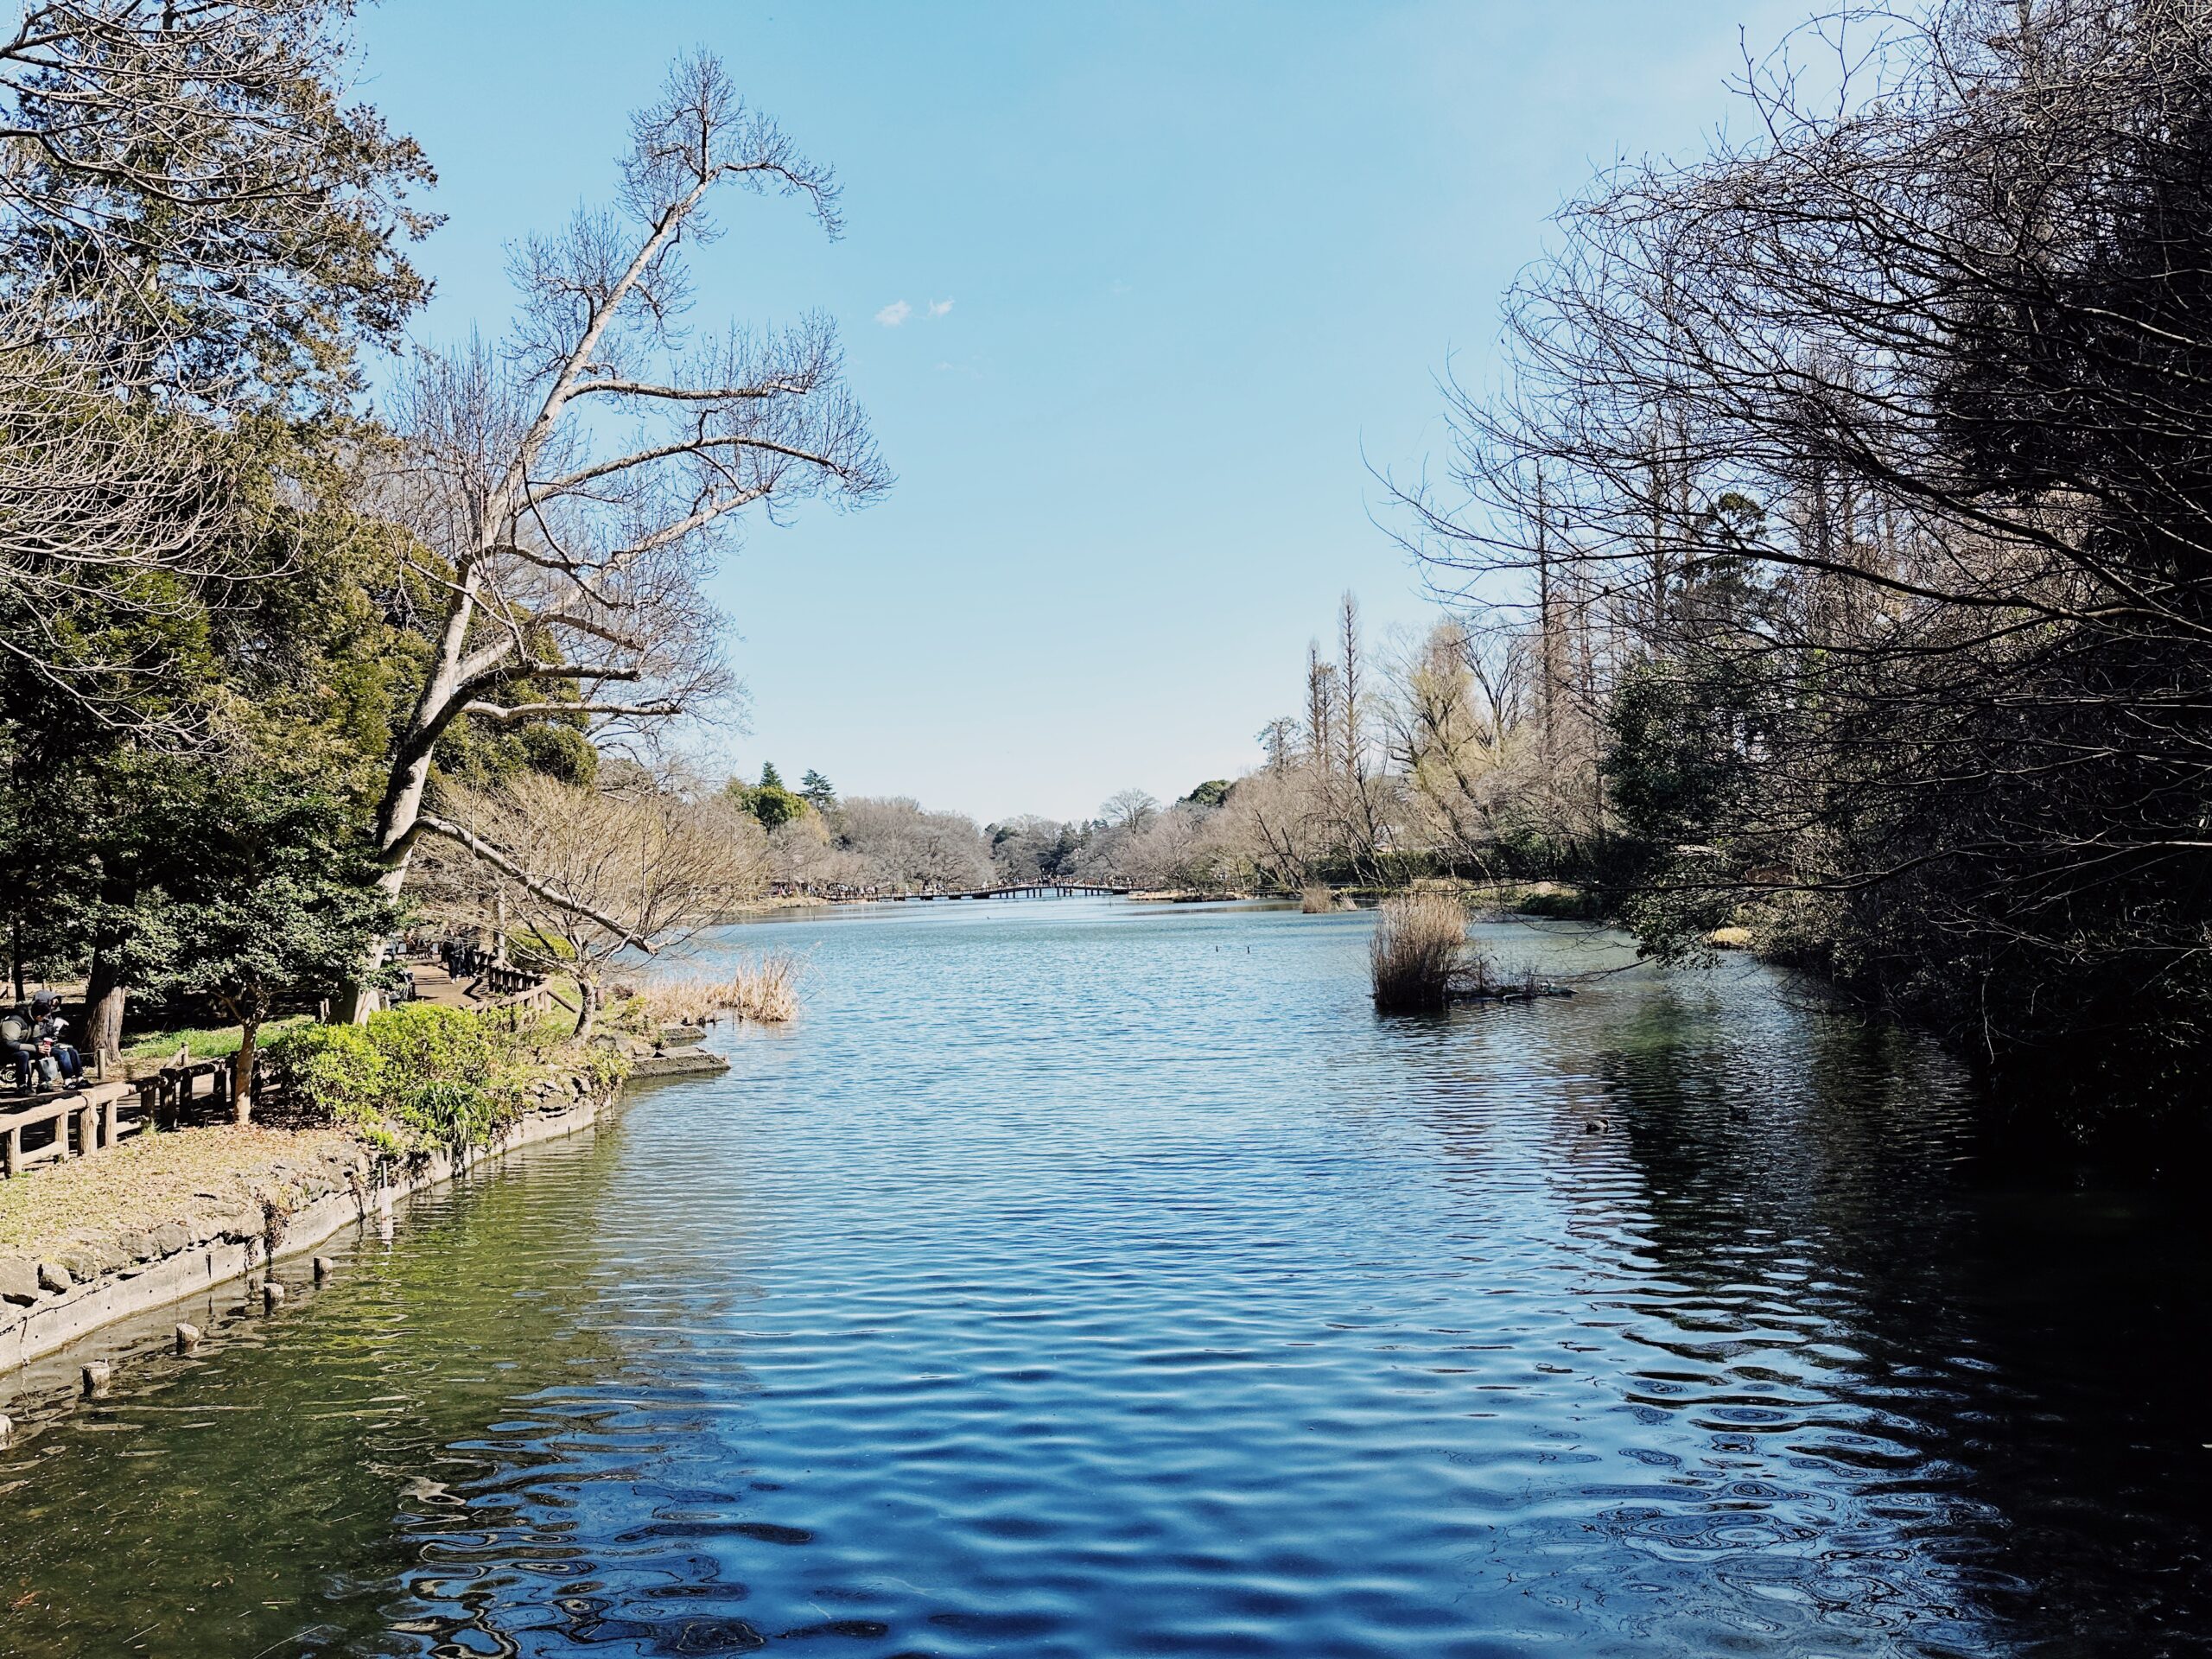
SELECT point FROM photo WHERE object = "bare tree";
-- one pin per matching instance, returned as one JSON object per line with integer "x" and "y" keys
{"x": 102, "y": 512}
{"x": 1130, "y": 809}
{"x": 1285, "y": 826}
{"x": 612, "y": 870}
{"x": 1323, "y": 694}
{"x": 1864, "y": 454}
{"x": 1361, "y": 800}
{"x": 1351, "y": 690}
{"x": 569, "y": 493}
{"x": 900, "y": 846}
{"x": 1186, "y": 846}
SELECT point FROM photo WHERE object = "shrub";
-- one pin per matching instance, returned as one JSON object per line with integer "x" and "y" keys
{"x": 332, "y": 1068}
{"x": 603, "y": 1066}
{"x": 428, "y": 1044}
{"x": 453, "y": 1115}
{"x": 412, "y": 1079}
{"x": 528, "y": 945}
{"x": 1553, "y": 900}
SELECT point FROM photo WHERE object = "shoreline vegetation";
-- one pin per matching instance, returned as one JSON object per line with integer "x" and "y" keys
{"x": 1563, "y": 900}
{"x": 1421, "y": 960}
{"x": 351, "y": 1113}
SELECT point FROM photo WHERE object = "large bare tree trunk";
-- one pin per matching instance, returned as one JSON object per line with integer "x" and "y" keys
{"x": 357, "y": 998}
{"x": 105, "y": 996}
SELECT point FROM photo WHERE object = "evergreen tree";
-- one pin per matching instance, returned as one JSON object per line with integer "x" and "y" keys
{"x": 280, "y": 898}
{"x": 768, "y": 800}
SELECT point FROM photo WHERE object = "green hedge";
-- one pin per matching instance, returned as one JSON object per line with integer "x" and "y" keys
{"x": 416, "y": 1077}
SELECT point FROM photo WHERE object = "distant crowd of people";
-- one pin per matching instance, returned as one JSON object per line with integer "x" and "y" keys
{"x": 35, "y": 1046}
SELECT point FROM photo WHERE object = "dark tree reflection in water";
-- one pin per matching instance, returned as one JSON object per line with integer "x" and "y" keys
{"x": 1077, "y": 1279}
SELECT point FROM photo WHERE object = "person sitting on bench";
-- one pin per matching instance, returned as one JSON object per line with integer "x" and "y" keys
{"x": 57, "y": 1056}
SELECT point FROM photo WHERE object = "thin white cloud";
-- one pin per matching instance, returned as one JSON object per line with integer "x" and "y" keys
{"x": 894, "y": 313}
{"x": 938, "y": 307}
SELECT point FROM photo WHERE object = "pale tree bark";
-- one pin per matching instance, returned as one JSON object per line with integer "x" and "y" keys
{"x": 570, "y": 569}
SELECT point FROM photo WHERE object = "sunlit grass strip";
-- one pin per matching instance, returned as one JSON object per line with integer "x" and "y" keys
{"x": 766, "y": 990}
{"x": 204, "y": 1042}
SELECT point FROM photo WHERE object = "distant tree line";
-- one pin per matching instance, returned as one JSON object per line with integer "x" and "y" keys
{"x": 1440, "y": 756}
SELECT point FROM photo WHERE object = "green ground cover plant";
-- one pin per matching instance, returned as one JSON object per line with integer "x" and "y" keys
{"x": 420, "y": 1078}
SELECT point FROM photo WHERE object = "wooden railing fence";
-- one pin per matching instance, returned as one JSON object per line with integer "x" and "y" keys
{"x": 94, "y": 1116}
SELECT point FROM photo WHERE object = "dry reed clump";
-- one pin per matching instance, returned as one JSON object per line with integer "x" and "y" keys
{"x": 1419, "y": 950}
{"x": 765, "y": 991}
{"x": 1316, "y": 901}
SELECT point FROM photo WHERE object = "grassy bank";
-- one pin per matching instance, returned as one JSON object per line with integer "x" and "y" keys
{"x": 1565, "y": 901}
{"x": 354, "y": 1107}
{"x": 198, "y": 1179}
{"x": 358, "y": 1103}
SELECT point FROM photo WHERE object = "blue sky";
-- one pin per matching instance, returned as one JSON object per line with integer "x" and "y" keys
{"x": 1175, "y": 276}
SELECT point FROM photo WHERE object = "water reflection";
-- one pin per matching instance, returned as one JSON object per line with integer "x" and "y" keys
{"x": 243, "y": 1500}
{"x": 1078, "y": 1280}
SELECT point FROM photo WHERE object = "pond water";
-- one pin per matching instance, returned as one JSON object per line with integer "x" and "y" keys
{"x": 1082, "y": 1278}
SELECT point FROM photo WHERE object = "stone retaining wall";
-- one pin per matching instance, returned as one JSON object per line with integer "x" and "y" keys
{"x": 47, "y": 1305}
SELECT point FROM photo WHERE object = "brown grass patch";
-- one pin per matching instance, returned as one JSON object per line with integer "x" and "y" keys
{"x": 766, "y": 990}
{"x": 153, "y": 1179}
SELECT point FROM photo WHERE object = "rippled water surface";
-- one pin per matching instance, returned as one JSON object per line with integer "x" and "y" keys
{"x": 1084, "y": 1279}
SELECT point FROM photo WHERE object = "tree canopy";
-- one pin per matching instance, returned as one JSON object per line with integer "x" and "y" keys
{"x": 1855, "y": 470}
